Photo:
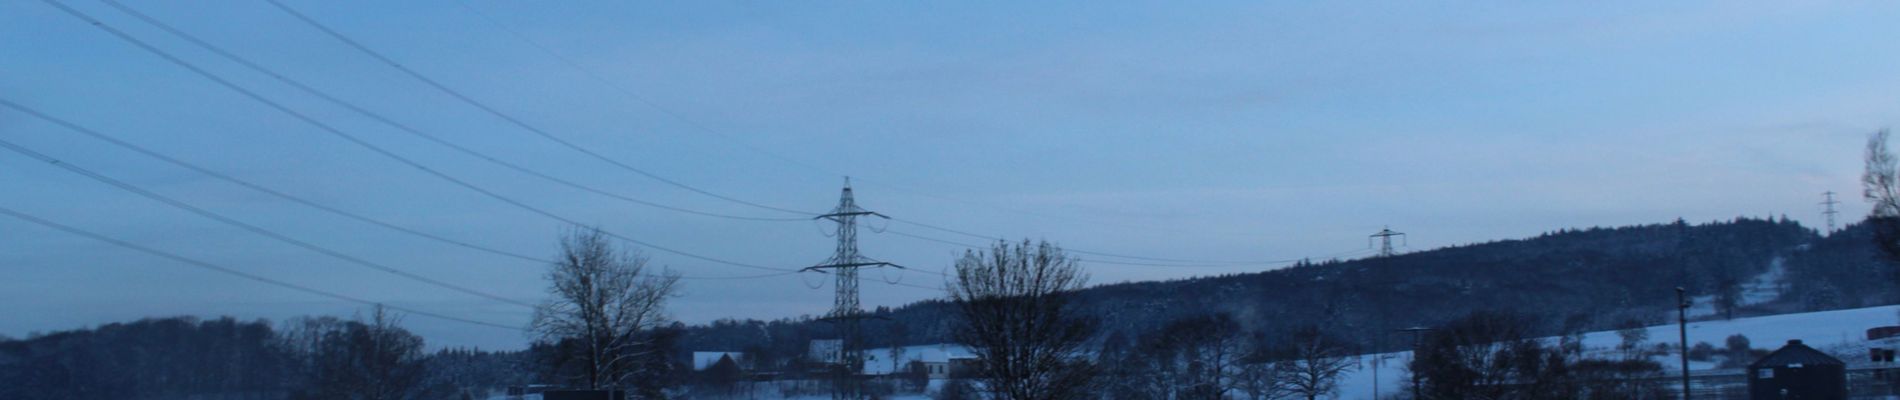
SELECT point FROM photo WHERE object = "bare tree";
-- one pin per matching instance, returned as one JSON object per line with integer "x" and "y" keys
{"x": 1014, "y": 304}
{"x": 1202, "y": 354}
{"x": 1634, "y": 334}
{"x": 896, "y": 332}
{"x": 1880, "y": 185}
{"x": 1488, "y": 355}
{"x": 915, "y": 376}
{"x": 1315, "y": 361}
{"x": 1728, "y": 292}
{"x": 604, "y": 300}
{"x": 372, "y": 359}
{"x": 1261, "y": 380}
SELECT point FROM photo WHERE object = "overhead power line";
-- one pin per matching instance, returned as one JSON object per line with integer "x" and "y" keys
{"x": 676, "y": 115}
{"x": 1113, "y": 262}
{"x": 370, "y": 146}
{"x": 231, "y": 271}
{"x": 351, "y": 42}
{"x": 299, "y": 200}
{"x": 254, "y": 229}
{"x": 511, "y": 118}
{"x": 630, "y": 93}
{"x": 517, "y": 167}
{"x": 259, "y": 188}
{"x": 1830, "y": 213}
{"x": 405, "y": 128}
{"x": 1099, "y": 253}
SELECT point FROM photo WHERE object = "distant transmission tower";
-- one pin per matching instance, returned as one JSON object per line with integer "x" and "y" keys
{"x": 1830, "y": 213}
{"x": 845, "y": 311}
{"x": 1385, "y": 238}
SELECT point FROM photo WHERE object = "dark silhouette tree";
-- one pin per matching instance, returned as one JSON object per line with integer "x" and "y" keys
{"x": 1880, "y": 185}
{"x": 1013, "y": 304}
{"x": 605, "y": 304}
{"x": 916, "y": 376}
{"x": 1202, "y": 354}
{"x": 1634, "y": 336}
{"x": 1479, "y": 356}
{"x": 1314, "y": 361}
{"x": 374, "y": 359}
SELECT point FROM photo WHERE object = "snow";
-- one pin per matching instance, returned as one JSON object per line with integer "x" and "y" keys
{"x": 1839, "y": 331}
{"x": 1767, "y": 286}
{"x": 1762, "y": 288}
{"x": 877, "y": 361}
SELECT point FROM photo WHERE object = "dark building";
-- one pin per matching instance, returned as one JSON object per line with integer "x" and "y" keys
{"x": 1797, "y": 371}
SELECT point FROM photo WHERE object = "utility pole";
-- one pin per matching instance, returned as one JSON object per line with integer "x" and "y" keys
{"x": 1418, "y": 340}
{"x": 1830, "y": 213}
{"x": 1385, "y": 238}
{"x": 1378, "y": 361}
{"x": 1682, "y": 330}
{"x": 1377, "y": 342}
{"x": 845, "y": 311}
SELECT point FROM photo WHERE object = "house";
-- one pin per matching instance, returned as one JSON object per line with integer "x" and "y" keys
{"x": 939, "y": 360}
{"x": 1797, "y": 371}
{"x": 705, "y": 359}
{"x": 826, "y": 351}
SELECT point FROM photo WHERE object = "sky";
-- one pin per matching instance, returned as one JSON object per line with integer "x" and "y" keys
{"x": 1231, "y": 133}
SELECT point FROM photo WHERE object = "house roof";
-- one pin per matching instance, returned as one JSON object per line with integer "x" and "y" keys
{"x": 705, "y": 359}
{"x": 1796, "y": 353}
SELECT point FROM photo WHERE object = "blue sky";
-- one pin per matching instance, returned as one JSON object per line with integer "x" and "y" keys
{"x": 1223, "y": 131}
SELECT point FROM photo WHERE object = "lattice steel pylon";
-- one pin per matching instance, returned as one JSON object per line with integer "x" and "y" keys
{"x": 846, "y": 312}
{"x": 1830, "y": 213}
{"x": 1385, "y": 239}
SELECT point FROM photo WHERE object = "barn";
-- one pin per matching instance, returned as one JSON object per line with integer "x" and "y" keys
{"x": 1797, "y": 371}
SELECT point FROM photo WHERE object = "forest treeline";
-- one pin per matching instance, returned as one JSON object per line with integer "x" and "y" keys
{"x": 1255, "y": 335}
{"x": 303, "y": 358}
{"x": 1589, "y": 278}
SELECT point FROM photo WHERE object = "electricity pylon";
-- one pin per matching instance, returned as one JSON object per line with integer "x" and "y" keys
{"x": 845, "y": 310}
{"x": 1830, "y": 202}
{"x": 1385, "y": 239}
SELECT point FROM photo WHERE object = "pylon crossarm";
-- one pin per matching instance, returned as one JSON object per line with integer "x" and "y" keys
{"x": 843, "y": 216}
{"x": 852, "y": 265}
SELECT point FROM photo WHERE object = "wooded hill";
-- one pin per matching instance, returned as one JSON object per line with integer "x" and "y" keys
{"x": 1572, "y": 279}
{"x": 1565, "y": 281}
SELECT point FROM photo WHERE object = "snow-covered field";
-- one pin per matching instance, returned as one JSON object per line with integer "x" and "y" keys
{"x": 1760, "y": 289}
{"x": 1840, "y": 332}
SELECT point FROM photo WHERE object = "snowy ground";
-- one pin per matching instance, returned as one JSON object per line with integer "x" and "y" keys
{"x": 772, "y": 391}
{"x": 1760, "y": 289}
{"x": 1840, "y": 332}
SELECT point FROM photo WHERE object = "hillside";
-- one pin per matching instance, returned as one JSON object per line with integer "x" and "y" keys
{"x": 1593, "y": 278}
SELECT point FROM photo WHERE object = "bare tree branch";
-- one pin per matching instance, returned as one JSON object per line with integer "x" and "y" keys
{"x": 604, "y": 299}
{"x": 1016, "y": 316}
